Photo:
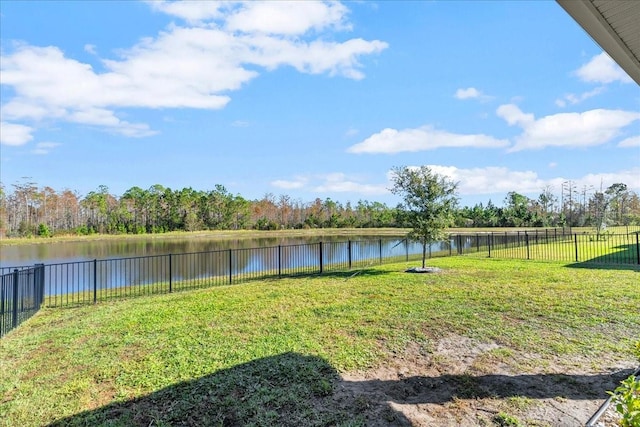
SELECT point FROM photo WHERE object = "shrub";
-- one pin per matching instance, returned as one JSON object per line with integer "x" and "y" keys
{"x": 626, "y": 398}
{"x": 44, "y": 231}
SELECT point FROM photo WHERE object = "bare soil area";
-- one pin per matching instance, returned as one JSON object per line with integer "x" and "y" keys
{"x": 463, "y": 382}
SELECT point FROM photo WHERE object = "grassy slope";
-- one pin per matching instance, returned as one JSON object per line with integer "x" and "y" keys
{"x": 161, "y": 357}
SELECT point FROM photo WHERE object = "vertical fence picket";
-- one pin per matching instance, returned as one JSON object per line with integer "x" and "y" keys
{"x": 95, "y": 281}
{"x": 230, "y": 266}
{"x": 170, "y": 273}
{"x": 279, "y": 260}
{"x": 406, "y": 248}
{"x": 14, "y": 317}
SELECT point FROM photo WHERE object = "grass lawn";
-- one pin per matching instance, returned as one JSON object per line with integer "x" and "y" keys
{"x": 270, "y": 352}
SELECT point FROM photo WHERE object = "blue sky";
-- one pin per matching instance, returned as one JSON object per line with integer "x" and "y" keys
{"x": 311, "y": 99}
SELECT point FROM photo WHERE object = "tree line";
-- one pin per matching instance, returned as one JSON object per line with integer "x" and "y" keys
{"x": 27, "y": 209}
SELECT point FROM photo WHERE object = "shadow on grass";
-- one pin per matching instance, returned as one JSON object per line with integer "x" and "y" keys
{"x": 291, "y": 389}
{"x": 626, "y": 258}
{"x": 445, "y": 388}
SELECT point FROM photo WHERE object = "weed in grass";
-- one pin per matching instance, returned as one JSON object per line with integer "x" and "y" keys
{"x": 468, "y": 387}
{"x": 520, "y": 403}
{"x": 626, "y": 401}
{"x": 505, "y": 420}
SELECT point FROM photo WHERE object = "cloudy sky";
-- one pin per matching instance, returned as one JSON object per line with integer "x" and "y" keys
{"x": 311, "y": 99}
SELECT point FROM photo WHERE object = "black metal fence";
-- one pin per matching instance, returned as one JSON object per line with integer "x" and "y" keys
{"x": 96, "y": 280}
{"x": 549, "y": 245}
{"x": 24, "y": 289}
{"x": 21, "y": 295}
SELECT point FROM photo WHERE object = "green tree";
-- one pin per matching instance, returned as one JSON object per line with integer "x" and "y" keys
{"x": 429, "y": 202}
{"x": 619, "y": 196}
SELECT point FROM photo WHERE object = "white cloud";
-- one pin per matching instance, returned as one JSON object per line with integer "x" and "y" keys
{"x": 514, "y": 116}
{"x": 316, "y": 57}
{"x": 573, "y": 99}
{"x": 288, "y": 17}
{"x": 471, "y": 92}
{"x": 90, "y": 48}
{"x": 191, "y": 11}
{"x": 45, "y": 147}
{"x": 630, "y": 177}
{"x": 590, "y": 128}
{"x": 491, "y": 179}
{"x": 340, "y": 183}
{"x": 193, "y": 66}
{"x": 631, "y": 142}
{"x": 14, "y": 134}
{"x": 284, "y": 184}
{"x": 502, "y": 180}
{"x": 107, "y": 120}
{"x": 351, "y": 132}
{"x": 336, "y": 182}
{"x": 480, "y": 181}
{"x": 422, "y": 139}
{"x": 602, "y": 69}
{"x": 240, "y": 124}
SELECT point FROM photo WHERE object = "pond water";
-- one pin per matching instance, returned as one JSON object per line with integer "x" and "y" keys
{"x": 86, "y": 250}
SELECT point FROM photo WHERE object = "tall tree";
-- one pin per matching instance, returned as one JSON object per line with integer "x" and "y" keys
{"x": 429, "y": 201}
{"x": 619, "y": 196}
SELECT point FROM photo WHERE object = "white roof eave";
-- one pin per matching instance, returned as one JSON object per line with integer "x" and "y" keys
{"x": 585, "y": 13}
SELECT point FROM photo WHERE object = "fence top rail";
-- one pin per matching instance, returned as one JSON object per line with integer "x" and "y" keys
{"x": 19, "y": 267}
{"x": 521, "y": 232}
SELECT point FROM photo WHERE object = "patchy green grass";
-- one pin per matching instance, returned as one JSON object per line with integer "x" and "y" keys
{"x": 269, "y": 352}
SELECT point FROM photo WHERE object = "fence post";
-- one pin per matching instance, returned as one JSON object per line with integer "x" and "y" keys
{"x": 170, "y": 273}
{"x": 320, "y": 246}
{"x": 638, "y": 246}
{"x": 15, "y": 299}
{"x": 380, "y": 245}
{"x": 95, "y": 281}
{"x": 526, "y": 242}
{"x": 406, "y": 248}
{"x": 489, "y": 238}
{"x": 279, "y": 260}
{"x": 349, "y": 252}
{"x": 575, "y": 237}
{"x": 40, "y": 284}
{"x": 230, "y": 266}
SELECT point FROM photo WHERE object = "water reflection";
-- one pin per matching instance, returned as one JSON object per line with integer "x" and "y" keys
{"x": 61, "y": 252}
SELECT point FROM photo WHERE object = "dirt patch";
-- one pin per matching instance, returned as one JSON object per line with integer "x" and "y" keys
{"x": 464, "y": 382}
